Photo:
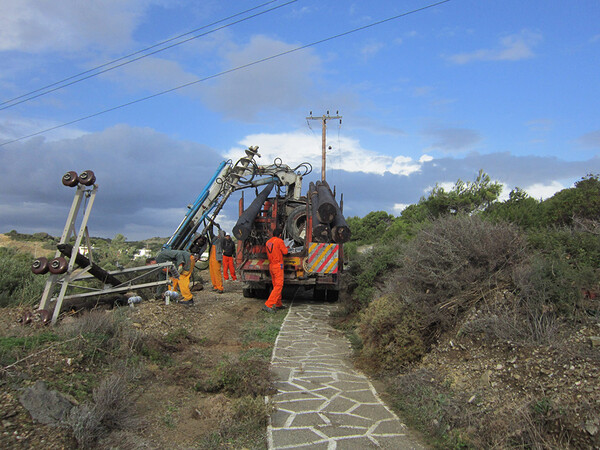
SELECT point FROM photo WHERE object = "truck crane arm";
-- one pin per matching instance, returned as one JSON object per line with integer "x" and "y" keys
{"x": 228, "y": 178}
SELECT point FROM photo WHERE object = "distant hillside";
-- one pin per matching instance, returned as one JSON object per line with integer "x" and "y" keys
{"x": 36, "y": 247}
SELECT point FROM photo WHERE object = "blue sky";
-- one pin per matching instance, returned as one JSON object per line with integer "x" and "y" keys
{"x": 433, "y": 96}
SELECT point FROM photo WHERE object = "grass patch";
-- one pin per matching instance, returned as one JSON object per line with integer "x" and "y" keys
{"x": 242, "y": 425}
{"x": 13, "y": 348}
{"x": 238, "y": 378}
{"x": 265, "y": 330}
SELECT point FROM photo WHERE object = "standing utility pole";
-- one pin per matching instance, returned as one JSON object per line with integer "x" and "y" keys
{"x": 324, "y": 120}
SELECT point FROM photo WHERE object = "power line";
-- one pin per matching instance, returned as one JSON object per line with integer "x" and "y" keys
{"x": 63, "y": 83}
{"x": 225, "y": 72}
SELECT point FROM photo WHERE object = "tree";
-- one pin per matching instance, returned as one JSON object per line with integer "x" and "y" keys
{"x": 582, "y": 201}
{"x": 520, "y": 209}
{"x": 464, "y": 198}
{"x": 371, "y": 227}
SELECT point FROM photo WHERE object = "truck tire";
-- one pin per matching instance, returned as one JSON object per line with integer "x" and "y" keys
{"x": 319, "y": 295}
{"x": 248, "y": 293}
{"x": 296, "y": 224}
{"x": 332, "y": 295}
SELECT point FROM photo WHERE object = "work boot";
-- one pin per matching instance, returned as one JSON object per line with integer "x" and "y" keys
{"x": 280, "y": 307}
{"x": 219, "y": 291}
{"x": 267, "y": 309}
{"x": 186, "y": 302}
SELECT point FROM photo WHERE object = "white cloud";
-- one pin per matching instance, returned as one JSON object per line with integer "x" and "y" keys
{"x": 540, "y": 125}
{"x": 296, "y": 148}
{"x": 282, "y": 83}
{"x": 399, "y": 207}
{"x": 153, "y": 74}
{"x": 590, "y": 140}
{"x": 452, "y": 140}
{"x": 371, "y": 49}
{"x": 514, "y": 47}
{"x": 16, "y": 127}
{"x": 67, "y": 25}
{"x": 544, "y": 191}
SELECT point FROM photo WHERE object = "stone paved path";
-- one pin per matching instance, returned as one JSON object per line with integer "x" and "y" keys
{"x": 322, "y": 401}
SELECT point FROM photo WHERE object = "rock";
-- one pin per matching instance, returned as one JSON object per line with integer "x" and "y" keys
{"x": 591, "y": 428}
{"x": 485, "y": 378}
{"x": 595, "y": 340}
{"x": 47, "y": 407}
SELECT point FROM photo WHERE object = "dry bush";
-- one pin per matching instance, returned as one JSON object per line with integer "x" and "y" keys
{"x": 453, "y": 264}
{"x": 451, "y": 420}
{"x": 104, "y": 330}
{"x": 112, "y": 410}
{"x": 511, "y": 318}
{"x": 389, "y": 329}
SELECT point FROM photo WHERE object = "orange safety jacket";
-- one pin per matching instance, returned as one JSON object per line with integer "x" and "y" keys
{"x": 275, "y": 250}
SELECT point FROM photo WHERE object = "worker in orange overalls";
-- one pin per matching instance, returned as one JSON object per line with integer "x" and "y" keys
{"x": 214, "y": 263}
{"x": 276, "y": 248}
{"x": 228, "y": 251}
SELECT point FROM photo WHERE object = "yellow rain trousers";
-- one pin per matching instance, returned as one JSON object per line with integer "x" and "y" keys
{"x": 183, "y": 283}
{"x": 214, "y": 266}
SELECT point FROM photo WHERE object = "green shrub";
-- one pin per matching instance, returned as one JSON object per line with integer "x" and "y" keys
{"x": 369, "y": 270}
{"x": 581, "y": 201}
{"x": 18, "y": 285}
{"x": 389, "y": 330}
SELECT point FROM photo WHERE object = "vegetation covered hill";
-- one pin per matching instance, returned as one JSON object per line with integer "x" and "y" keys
{"x": 483, "y": 317}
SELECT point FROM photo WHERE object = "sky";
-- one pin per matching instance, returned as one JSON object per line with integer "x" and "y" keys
{"x": 153, "y": 94}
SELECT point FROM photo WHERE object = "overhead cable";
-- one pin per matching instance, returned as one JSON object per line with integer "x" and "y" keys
{"x": 225, "y": 72}
{"x": 63, "y": 83}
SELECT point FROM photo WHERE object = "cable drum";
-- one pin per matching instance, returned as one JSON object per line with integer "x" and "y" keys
{"x": 296, "y": 224}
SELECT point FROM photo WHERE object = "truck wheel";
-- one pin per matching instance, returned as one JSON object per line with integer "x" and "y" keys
{"x": 319, "y": 295}
{"x": 262, "y": 294}
{"x": 87, "y": 178}
{"x": 332, "y": 295}
{"x": 70, "y": 179}
{"x": 296, "y": 224}
{"x": 40, "y": 266}
{"x": 247, "y": 293}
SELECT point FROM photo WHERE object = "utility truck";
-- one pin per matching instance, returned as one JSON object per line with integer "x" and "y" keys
{"x": 313, "y": 225}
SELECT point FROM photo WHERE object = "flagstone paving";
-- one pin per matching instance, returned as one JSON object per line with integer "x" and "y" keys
{"x": 322, "y": 401}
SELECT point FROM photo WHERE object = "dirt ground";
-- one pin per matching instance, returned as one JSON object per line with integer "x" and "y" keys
{"x": 175, "y": 414}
